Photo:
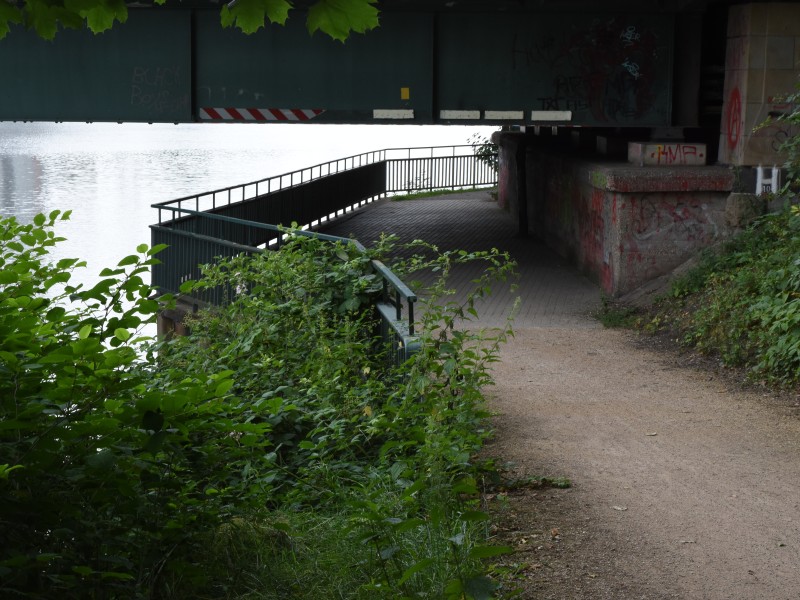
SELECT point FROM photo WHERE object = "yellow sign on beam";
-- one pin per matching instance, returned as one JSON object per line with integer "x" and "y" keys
{"x": 405, "y": 93}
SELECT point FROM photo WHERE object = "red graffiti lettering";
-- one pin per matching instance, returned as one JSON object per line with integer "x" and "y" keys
{"x": 678, "y": 154}
{"x": 734, "y": 118}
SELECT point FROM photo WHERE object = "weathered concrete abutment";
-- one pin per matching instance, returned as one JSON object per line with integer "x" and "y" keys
{"x": 623, "y": 225}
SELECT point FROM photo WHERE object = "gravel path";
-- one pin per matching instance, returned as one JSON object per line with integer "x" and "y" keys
{"x": 684, "y": 486}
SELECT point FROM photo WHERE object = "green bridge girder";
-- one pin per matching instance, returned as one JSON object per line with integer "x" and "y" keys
{"x": 589, "y": 64}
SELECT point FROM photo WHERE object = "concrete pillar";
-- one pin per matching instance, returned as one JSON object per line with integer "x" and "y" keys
{"x": 762, "y": 66}
{"x": 512, "y": 175}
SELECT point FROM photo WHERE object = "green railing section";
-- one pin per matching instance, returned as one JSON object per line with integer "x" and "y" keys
{"x": 249, "y": 217}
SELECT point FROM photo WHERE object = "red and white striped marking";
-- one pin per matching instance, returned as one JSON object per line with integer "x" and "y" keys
{"x": 259, "y": 114}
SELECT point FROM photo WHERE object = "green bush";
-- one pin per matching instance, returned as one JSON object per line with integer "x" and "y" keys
{"x": 485, "y": 150}
{"x": 743, "y": 302}
{"x": 100, "y": 490}
{"x": 383, "y": 451}
{"x": 274, "y": 453}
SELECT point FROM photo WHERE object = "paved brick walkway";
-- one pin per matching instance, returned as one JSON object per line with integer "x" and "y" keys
{"x": 552, "y": 293}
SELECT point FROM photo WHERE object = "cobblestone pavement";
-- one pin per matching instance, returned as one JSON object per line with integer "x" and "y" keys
{"x": 552, "y": 293}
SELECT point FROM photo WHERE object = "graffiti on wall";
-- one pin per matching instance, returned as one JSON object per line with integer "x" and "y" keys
{"x": 679, "y": 154}
{"x": 670, "y": 220}
{"x": 734, "y": 118}
{"x": 159, "y": 90}
{"x": 609, "y": 69}
{"x": 594, "y": 247}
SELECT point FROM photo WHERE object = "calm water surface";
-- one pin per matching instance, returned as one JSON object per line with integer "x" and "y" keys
{"x": 109, "y": 174}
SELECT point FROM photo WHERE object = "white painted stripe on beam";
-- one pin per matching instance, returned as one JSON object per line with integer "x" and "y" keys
{"x": 551, "y": 115}
{"x": 516, "y": 115}
{"x": 393, "y": 113}
{"x": 460, "y": 114}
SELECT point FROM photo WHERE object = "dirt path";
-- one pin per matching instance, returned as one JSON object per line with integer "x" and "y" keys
{"x": 683, "y": 486}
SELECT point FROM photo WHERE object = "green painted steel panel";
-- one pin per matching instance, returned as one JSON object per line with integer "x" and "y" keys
{"x": 139, "y": 71}
{"x": 609, "y": 70}
{"x": 282, "y": 68}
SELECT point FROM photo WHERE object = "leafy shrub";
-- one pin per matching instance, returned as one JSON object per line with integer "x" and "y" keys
{"x": 113, "y": 473}
{"x": 790, "y": 147}
{"x": 130, "y": 468}
{"x": 742, "y": 302}
{"x": 383, "y": 451}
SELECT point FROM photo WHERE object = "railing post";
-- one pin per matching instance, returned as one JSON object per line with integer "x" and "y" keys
{"x": 398, "y": 304}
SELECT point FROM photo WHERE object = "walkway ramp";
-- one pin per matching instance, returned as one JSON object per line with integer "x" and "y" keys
{"x": 552, "y": 293}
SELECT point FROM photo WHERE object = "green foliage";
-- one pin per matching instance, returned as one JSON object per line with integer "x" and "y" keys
{"x": 336, "y": 18}
{"x": 615, "y": 315}
{"x": 250, "y": 15}
{"x": 743, "y": 301}
{"x": 301, "y": 345}
{"x": 485, "y": 150}
{"x": 112, "y": 477}
{"x": 274, "y": 453}
{"x": 9, "y": 14}
{"x": 384, "y": 452}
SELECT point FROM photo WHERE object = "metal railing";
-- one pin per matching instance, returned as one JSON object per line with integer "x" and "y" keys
{"x": 436, "y": 168}
{"x": 351, "y": 180}
{"x": 247, "y": 218}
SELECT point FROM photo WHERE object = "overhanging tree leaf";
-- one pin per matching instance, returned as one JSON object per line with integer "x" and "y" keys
{"x": 99, "y": 14}
{"x": 42, "y": 17}
{"x": 338, "y": 18}
{"x": 250, "y": 15}
{"x": 8, "y": 14}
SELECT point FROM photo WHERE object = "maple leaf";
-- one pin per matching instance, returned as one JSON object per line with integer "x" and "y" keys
{"x": 250, "y": 15}
{"x": 99, "y": 15}
{"x": 8, "y": 14}
{"x": 42, "y": 17}
{"x": 338, "y": 18}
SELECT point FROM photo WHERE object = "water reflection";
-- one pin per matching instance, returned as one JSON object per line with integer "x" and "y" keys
{"x": 21, "y": 181}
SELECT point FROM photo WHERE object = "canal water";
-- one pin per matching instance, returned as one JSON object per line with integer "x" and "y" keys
{"x": 109, "y": 174}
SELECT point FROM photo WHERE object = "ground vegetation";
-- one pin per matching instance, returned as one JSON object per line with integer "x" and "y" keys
{"x": 273, "y": 453}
